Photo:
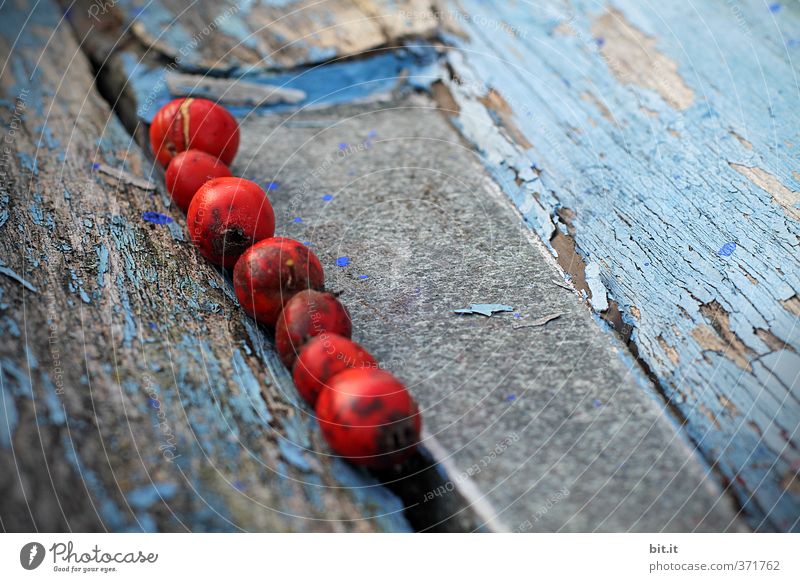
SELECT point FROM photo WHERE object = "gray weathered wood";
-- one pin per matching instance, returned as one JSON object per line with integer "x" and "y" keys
{"x": 134, "y": 395}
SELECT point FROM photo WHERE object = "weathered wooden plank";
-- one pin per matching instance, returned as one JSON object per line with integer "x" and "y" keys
{"x": 324, "y": 85}
{"x": 135, "y": 395}
{"x": 546, "y": 426}
{"x": 265, "y": 34}
{"x": 653, "y": 147}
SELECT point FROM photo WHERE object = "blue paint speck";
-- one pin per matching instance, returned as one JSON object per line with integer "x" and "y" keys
{"x": 596, "y": 403}
{"x": 600, "y": 41}
{"x": 372, "y": 133}
{"x": 308, "y": 243}
{"x": 95, "y": 166}
{"x": 154, "y": 403}
{"x": 775, "y": 8}
{"x": 342, "y": 261}
{"x": 727, "y": 249}
{"x": 273, "y": 185}
{"x": 298, "y": 219}
{"x": 153, "y": 325}
{"x": 511, "y": 397}
{"x": 363, "y": 276}
{"x": 517, "y": 316}
{"x": 239, "y": 485}
{"x": 156, "y": 218}
{"x": 327, "y": 197}
{"x": 342, "y": 146}
{"x": 647, "y": 263}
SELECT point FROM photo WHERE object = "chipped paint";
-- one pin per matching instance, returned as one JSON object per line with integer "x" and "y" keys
{"x": 788, "y": 199}
{"x": 631, "y": 167}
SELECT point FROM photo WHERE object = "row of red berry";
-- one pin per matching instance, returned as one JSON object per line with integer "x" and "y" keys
{"x": 365, "y": 413}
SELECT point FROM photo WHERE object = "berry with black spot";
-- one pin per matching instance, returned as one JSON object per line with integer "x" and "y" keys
{"x": 369, "y": 417}
{"x": 227, "y": 216}
{"x": 271, "y": 272}
{"x": 306, "y": 315}
{"x": 322, "y": 358}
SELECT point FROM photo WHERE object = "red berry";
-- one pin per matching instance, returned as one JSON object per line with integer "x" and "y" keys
{"x": 191, "y": 123}
{"x": 227, "y": 216}
{"x": 188, "y": 171}
{"x": 270, "y": 273}
{"x": 368, "y": 416}
{"x": 322, "y": 358}
{"x": 308, "y": 314}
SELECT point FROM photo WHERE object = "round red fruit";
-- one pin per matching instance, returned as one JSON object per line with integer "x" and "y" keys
{"x": 369, "y": 417}
{"x": 188, "y": 171}
{"x": 191, "y": 123}
{"x": 270, "y": 273}
{"x": 227, "y": 216}
{"x": 322, "y": 358}
{"x": 309, "y": 314}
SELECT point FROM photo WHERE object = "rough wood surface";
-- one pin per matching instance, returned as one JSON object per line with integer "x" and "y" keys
{"x": 264, "y": 34}
{"x": 654, "y": 148}
{"x": 134, "y": 395}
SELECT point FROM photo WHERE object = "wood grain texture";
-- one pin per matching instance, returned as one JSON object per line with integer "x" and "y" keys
{"x": 266, "y": 34}
{"x": 133, "y": 393}
{"x": 654, "y": 148}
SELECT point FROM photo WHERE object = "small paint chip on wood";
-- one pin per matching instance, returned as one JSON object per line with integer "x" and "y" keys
{"x": 634, "y": 59}
{"x": 123, "y": 176}
{"x": 231, "y": 91}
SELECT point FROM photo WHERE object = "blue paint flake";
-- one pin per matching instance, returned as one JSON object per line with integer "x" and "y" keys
{"x": 95, "y": 166}
{"x": 727, "y": 249}
{"x": 145, "y": 496}
{"x": 8, "y": 272}
{"x": 487, "y": 309}
{"x": 342, "y": 261}
{"x": 327, "y": 197}
{"x": 273, "y": 186}
{"x": 372, "y": 133}
{"x": 298, "y": 219}
{"x": 363, "y": 276}
{"x": 597, "y": 403}
{"x": 511, "y": 397}
{"x": 342, "y": 146}
{"x": 775, "y": 8}
{"x": 156, "y": 218}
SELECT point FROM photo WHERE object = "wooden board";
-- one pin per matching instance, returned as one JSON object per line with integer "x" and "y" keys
{"x": 664, "y": 182}
{"x": 654, "y": 148}
{"x": 264, "y": 34}
{"x": 133, "y": 393}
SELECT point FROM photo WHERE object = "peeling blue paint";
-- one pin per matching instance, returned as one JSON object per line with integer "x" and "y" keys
{"x": 648, "y": 183}
{"x": 339, "y": 82}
